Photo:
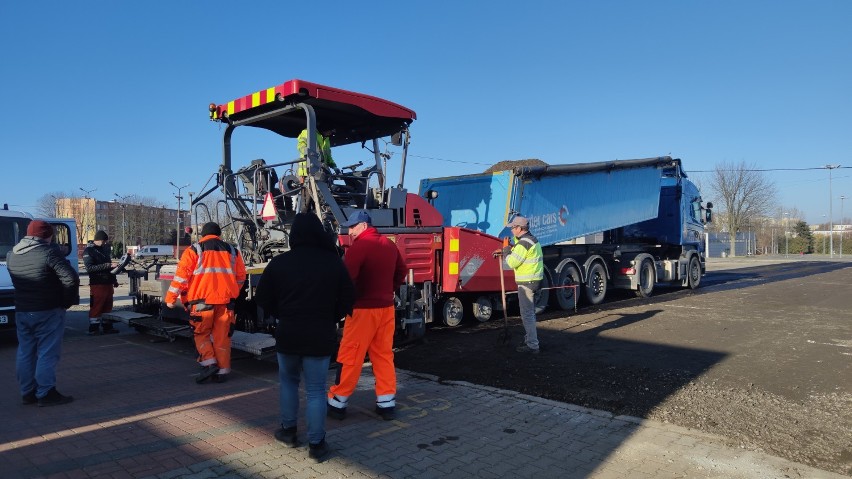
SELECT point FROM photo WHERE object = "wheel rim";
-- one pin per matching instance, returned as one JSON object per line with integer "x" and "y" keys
{"x": 596, "y": 284}
{"x": 453, "y": 312}
{"x": 483, "y": 309}
{"x": 694, "y": 272}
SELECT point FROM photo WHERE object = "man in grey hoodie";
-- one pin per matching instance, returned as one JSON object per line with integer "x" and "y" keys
{"x": 45, "y": 286}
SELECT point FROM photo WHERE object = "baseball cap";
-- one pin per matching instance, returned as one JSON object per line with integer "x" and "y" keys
{"x": 359, "y": 217}
{"x": 518, "y": 220}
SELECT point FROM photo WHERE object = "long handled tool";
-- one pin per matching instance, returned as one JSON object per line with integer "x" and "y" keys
{"x": 504, "y": 335}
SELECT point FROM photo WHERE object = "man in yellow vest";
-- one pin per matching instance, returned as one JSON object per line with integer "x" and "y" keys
{"x": 324, "y": 147}
{"x": 526, "y": 258}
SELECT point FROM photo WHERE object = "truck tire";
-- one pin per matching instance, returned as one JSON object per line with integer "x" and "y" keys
{"x": 566, "y": 298}
{"x": 596, "y": 283}
{"x": 693, "y": 272}
{"x": 646, "y": 279}
{"x": 452, "y": 312}
{"x": 482, "y": 308}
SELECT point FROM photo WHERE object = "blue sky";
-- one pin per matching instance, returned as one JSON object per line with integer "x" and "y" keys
{"x": 113, "y": 96}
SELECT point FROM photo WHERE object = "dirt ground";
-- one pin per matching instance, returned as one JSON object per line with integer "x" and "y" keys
{"x": 761, "y": 355}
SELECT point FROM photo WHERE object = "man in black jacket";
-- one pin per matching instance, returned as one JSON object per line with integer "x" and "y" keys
{"x": 308, "y": 290}
{"x": 45, "y": 286}
{"x": 102, "y": 283}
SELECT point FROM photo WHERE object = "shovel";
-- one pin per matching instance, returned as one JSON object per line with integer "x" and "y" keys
{"x": 504, "y": 335}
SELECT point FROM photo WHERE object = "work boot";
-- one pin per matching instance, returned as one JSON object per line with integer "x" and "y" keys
{"x": 108, "y": 328}
{"x": 526, "y": 349}
{"x": 386, "y": 413}
{"x": 94, "y": 330}
{"x": 29, "y": 398}
{"x": 287, "y": 436}
{"x": 54, "y": 398}
{"x": 219, "y": 378}
{"x": 318, "y": 451}
{"x": 206, "y": 372}
{"x": 338, "y": 413}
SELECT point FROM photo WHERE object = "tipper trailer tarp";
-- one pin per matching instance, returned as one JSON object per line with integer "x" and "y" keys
{"x": 562, "y": 202}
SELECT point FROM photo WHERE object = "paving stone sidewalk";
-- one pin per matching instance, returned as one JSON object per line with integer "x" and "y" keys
{"x": 138, "y": 414}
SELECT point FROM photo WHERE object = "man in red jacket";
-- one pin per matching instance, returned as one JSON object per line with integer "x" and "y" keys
{"x": 377, "y": 269}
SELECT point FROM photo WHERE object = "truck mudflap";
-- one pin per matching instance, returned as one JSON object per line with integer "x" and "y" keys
{"x": 258, "y": 345}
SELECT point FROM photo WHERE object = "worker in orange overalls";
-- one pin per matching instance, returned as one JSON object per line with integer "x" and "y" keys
{"x": 208, "y": 281}
{"x": 377, "y": 270}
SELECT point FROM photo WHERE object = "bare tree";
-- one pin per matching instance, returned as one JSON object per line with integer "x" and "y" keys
{"x": 745, "y": 193}
{"x": 46, "y": 206}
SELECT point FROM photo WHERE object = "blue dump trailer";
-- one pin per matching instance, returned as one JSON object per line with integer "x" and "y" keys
{"x": 627, "y": 224}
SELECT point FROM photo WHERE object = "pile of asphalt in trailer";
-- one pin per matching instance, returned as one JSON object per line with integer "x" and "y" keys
{"x": 510, "y": 164}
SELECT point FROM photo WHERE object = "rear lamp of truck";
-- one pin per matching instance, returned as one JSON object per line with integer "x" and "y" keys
{"x": 627, "y": 271}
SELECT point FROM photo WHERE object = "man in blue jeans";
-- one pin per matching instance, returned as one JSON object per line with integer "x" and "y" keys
{"x": 308, "y": 290}
{"x": 45, "y": 286}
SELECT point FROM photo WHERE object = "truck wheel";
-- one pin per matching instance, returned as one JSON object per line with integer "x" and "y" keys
{"x": 596, "y": 284}
{"x": 453, "y": 312}
{"x": 482, "y": 309}
{"x": 693, "y": 273}
{"x": 566, "y": 298}
{"x": 646, "y": 279}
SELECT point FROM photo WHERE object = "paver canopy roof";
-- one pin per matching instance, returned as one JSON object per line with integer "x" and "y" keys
{"x": 350, "y": 117}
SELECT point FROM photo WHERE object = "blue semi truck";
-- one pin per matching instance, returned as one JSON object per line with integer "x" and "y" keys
{"x": 627, "y": 224}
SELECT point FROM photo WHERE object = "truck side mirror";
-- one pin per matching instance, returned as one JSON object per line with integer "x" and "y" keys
{"x": 708, "y": 215}
{"x": 396, "y": 139}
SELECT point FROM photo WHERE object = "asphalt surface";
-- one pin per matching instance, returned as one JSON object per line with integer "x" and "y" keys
{"x": 138, "y": 413}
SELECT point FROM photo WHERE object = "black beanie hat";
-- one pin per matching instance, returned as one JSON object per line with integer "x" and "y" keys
{"x": 101, "y": 236}
{"x": 211, "y": 228}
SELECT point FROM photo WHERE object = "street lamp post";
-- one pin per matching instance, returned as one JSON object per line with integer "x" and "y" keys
{"x": 177, "y": 228}
{"x": 749, "y": 243}
{"x": 786, "y": 235}
{"x": 123, "y": 220}
{"x": 191, "y": 218}
{"x": 830, "y": 216}
{"x": 842, "y": 227}
{"x": 86, "y": 225}
{"x": 823, "y": 237}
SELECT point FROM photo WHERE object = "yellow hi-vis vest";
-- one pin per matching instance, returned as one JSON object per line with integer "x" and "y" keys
{"x": 324, "y": 148}
{"x": 526, "y": 259}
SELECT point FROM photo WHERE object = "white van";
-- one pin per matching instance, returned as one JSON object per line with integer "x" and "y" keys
{"x": 155, "y": 250}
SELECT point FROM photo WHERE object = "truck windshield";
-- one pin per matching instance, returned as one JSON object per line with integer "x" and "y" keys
{"x": 11, "y": 231}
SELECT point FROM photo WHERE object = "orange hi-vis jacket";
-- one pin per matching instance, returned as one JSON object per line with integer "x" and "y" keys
{"x": 211, "y": 270}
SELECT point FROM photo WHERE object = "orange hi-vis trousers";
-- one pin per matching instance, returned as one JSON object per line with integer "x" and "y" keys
{"x": 366, "y": 331}
{"x": 210, "y": 330}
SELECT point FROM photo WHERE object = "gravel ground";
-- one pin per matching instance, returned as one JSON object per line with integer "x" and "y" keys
{"x": 761, "y": 354}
